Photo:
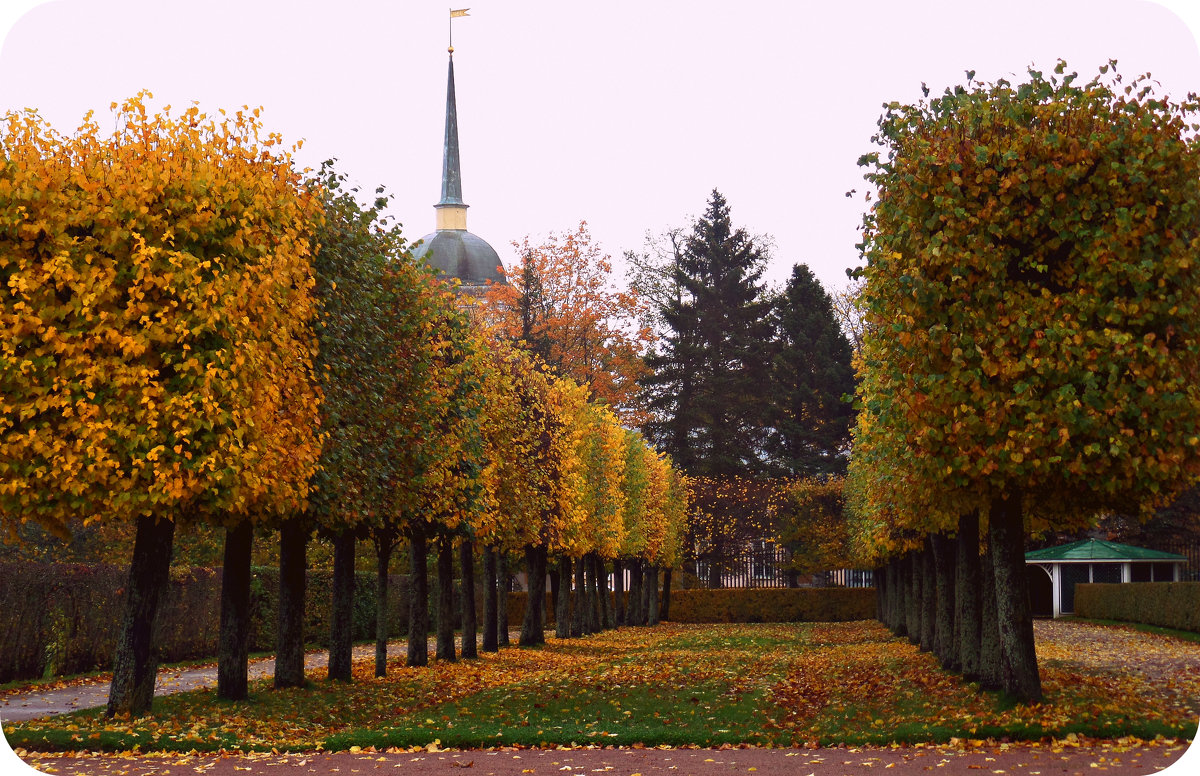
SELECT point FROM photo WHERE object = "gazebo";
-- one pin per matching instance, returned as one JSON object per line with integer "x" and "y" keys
{"x": 1054, "y": 571}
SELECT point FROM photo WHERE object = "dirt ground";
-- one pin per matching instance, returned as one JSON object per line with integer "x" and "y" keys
{"x": 1034, "y": 760}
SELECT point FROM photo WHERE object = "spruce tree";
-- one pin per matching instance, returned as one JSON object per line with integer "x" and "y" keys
{"x": 810, "y": 429}
{"x": 707, "y": 391}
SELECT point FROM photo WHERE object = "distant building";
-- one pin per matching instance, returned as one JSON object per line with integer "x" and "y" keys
{"x": 1055, "y": 571}
{"x": 453, "y": 250}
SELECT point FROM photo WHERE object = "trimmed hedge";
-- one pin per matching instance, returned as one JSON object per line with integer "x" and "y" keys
{"x": 1166, "y": 604}
{"x": 60, "y": 619}
{"x": 806, "y": 604}
{"x": 781, "y": 604}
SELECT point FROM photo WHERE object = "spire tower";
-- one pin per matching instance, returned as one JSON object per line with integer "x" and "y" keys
{"x": 452, "y": 249}
{"x": 451, "y": 211}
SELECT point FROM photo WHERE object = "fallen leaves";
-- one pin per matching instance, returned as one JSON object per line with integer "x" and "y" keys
{"x": 722, "y": 686}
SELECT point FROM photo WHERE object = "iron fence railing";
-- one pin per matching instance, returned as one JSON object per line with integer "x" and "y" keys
{"x": 1189, "y": 549}
{"x": 767, "y": 566}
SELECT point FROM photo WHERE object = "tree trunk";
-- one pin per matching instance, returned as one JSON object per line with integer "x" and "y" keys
{"x": 1006, "y": 535}
{"x": 649, "y": 580}
{"x": 714, "y": 573}
{"x": 418, "y": 597}
{"x": 469, "y": 644}
{"x": 966, "y": 599}
{"x": 945, "y": 647}
{"x": 384, "y": 544}
{"x": 913, "y": 605}
{"x": 880, "y": 590}
{"x": 619, "y": 592}
{"x": 490, "y": 600}
{"x": 503, "y": 590}
{"x": 928, "y": 597}
{"x": 136, "y": 662}
{"x": 666, "y": 596}
{"x": 591, "y": 564}
{"x": 652, "y": 615}
{"x": 578, "y": 613}
{"x": 991, "y": 671}
{"x": 532, "y": 629}
{"x": 233, "y": 650}
{"x": 555, "y": 584}
{"x": 341, "y": 620}
{"x": 633, "y": 614}
{"x": 445, "y": 619}
{"x": 289, "y": 634}
{"x": 900, "y": 589}
{"x": 607, "y": 620}
{"x": 562, "y": 611}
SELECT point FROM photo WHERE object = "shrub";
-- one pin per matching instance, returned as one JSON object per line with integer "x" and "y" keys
{"x": 806, "y": 604}
{"x": 1166, "y": 604}
{"x": 823, "y": 604}
{"x": 60, "y": 618}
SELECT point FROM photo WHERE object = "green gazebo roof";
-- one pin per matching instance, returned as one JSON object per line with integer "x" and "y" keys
{"x": 1098, "y": 549}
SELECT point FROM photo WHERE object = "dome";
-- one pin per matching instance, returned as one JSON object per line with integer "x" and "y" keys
{"x": 457, "y": 253}
{"x": 452, "y": 250}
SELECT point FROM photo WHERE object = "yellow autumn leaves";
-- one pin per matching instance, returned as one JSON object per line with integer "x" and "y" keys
{"x": 157, "y": 348}
{"x": 157, "y": 314}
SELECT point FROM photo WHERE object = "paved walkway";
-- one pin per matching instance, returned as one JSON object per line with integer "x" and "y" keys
{"x": 1014, "y": 760}
{"x": 89, "y": 694}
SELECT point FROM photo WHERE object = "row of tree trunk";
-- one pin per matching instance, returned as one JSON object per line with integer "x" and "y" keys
{"x": 967, "y": 607}
{"x": 595, "y": 609}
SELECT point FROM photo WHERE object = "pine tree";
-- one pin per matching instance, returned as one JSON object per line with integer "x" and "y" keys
{"x": 811, "y": 373}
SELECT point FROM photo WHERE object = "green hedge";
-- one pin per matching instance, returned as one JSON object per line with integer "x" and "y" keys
{"x": 1166, "y": 604}
{"x": 60, "y": 619}
{"x": 804, "y": 604}
{"x": 816, "y": 604}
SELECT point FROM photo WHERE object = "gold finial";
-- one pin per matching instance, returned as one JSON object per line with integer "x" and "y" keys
{"x": 451, "y": 49}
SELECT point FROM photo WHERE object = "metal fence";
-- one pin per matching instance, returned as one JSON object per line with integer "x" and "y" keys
{"x": 769, "y": 566}
{"x": 1188, "y": 549}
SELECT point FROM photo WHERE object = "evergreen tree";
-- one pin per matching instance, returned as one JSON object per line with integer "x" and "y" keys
{"x": 707, "y": 391}
{"x": 708, "y": 394}
{"x": 810, "y": 427}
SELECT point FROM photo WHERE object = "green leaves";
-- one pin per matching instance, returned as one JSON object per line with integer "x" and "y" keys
{"x": 1022, "y": 273}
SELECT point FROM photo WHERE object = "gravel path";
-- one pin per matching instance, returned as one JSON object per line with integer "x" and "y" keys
{"x": 87, "y": 694}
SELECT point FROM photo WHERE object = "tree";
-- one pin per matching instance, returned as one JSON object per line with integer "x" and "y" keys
{"x": 811, "y": 373}
{"x": 379, "y": 306}
{"x": 813, "y": 525}
{"x": 1032, "y": 311}
{"x": 706, "y": 392}
{"x": 561, "y": 303}
{"x": 156, "y": 363}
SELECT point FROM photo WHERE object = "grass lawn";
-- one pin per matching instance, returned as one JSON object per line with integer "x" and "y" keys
{"x": 767, "y": 685}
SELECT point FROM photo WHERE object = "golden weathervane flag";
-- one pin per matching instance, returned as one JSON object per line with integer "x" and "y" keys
{"x": 460, "y": 12}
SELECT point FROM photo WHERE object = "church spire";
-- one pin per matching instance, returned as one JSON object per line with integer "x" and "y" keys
{"x": 451, "y": 166}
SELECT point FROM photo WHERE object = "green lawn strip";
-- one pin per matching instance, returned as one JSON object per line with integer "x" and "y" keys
{"x": 703, "y": 714}
{"x": 695, "y": 688}
{"x": 1139, "y": 626}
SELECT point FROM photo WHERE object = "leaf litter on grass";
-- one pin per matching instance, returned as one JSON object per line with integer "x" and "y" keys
{"x": 765, "y": 684}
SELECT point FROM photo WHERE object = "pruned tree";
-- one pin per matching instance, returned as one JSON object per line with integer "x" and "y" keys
{"x": 1032, "y": 310}
{"x": 156, "y": 365}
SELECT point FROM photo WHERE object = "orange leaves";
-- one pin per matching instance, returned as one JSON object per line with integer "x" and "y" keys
{"x": 560, "y": 304}
{"x": 153, "y": 358}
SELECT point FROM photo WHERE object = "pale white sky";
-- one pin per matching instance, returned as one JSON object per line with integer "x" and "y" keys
{"x": 622, "y": 113}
